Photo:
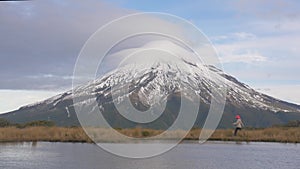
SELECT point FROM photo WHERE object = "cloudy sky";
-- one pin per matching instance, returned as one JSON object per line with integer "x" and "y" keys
{"x": 257, "y": 41}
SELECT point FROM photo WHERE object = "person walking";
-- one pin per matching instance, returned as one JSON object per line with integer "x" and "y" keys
{"x": 238, "y": 124}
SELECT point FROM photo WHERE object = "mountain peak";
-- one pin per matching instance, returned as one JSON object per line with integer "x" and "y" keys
{"x": 154, "y": 83}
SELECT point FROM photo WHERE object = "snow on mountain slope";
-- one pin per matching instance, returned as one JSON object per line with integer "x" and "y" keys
{"x": 154, "y": 82}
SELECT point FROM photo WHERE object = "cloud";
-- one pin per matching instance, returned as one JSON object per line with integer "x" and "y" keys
{"x": 45, "y": 37}
{"x": 244, "y": 58}
{"x": 21, "y": 98}
{"x": 46, "y": 76}
{"x": 232, "y": 48}
{"x": 269, "y": 34}
{"x": 236, "y": 36}
{"x": 290, "y": 93}
{"x": 269, "y": 56}
{"x": 264, "y": 43}
{"x": 244, "y": 35}
{"x": 152, "y": 52}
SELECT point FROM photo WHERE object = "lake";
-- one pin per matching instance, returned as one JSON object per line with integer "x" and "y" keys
{"x": 211, "y": 155}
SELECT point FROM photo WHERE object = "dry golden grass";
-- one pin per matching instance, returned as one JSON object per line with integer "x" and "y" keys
{"x": 55, "y": 134}
{"x": 287, "y": 135}
{"x": 76, "y": 134}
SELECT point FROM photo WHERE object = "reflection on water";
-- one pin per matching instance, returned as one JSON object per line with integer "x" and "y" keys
{"x": 34, "y": 144}
{"x": 212, "y": 155}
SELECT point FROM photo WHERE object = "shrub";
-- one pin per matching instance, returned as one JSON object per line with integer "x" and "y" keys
{"x": 4, "y": 122}
{"x": 145, "y": 133}
{"x": 36, "y": 123}
{"x": 294, "y": 123}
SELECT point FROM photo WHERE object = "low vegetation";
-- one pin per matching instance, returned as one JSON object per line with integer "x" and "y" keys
{"x": 47, "y": 131}
{"x": 41, "y": 133}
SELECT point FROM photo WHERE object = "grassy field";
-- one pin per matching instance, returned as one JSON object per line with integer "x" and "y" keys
{"x": 76, "y": 134}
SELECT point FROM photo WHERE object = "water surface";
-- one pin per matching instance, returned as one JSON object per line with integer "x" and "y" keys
{"x": 211, "y": 155}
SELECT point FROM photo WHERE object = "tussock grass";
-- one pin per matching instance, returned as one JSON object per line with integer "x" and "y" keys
{"x": 76, "y": 134}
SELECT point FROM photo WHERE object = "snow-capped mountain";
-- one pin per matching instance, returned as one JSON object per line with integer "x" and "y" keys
{"x": 158, "y": 82}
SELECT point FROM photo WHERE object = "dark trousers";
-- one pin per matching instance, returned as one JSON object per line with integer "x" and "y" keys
{"x": 236, "y": 130}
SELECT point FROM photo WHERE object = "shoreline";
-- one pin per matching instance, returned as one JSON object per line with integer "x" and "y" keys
{"x": 77, "y": 135}
{"x": 184, "y": 141}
